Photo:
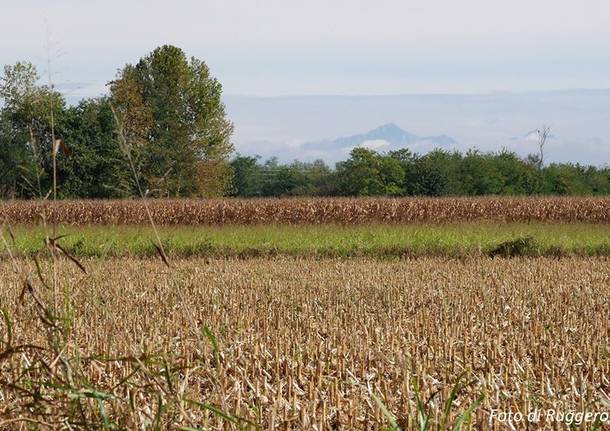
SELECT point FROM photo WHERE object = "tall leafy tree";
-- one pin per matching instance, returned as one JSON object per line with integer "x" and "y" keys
{"x": 247, "y": 176}
{"x": 96, "y": 168}
{"x": 25, "y": 130}
{"x": 367, "y": 173}
{"x": 435, "y": 174}
{"x": 479, "y": 175}
{"x": 520, "y": 178}
{"x": 175, "y": 123}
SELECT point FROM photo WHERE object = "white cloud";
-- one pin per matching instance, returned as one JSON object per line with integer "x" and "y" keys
{"x": 375, "y": 144}
{"x": 575, "y": 119}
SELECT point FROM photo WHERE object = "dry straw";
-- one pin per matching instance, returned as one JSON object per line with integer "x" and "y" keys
{"x": 309, "y": 344}
{"x": 314, "y": 210}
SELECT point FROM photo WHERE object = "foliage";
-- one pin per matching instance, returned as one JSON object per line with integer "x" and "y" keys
{"x": 172, "y": 117}
{"x": 367, "y": 173}
{"x": 522, "y": 246}
{"x": 247, "y": 176}
{"x": 403, "y": 173}
{"x": 252, "y": 179}
{"x": 433, "y": 174}
{"x": 96, "y": 168}
{"x": 175, "y": 122}
{"x": 25, "y": 131}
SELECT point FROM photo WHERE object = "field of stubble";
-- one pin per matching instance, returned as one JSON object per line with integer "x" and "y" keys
{"x": 290, "y": 344}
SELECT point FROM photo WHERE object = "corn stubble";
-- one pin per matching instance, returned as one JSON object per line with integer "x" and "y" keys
{"x": 311, "y": 210}
{"x": 293, "y": 344}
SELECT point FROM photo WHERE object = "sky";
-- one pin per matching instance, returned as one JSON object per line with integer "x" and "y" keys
{"x": 305, "y": 127}
{"x": 506, "y": 51}
{"x": 312, "y": 47}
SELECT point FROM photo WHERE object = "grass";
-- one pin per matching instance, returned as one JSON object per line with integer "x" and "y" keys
{"x": 375, "y": 240}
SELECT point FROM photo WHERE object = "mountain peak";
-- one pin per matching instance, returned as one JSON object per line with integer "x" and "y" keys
{"x": 389, "y": 127}
{"x": 385, "y": 137}
{"x": 389, "y": 132}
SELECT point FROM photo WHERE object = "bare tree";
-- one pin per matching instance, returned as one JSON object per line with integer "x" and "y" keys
{"x": 543, "y": 134}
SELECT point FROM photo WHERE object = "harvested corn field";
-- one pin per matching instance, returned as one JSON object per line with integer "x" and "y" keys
{"x": 291, "y": 344}
{"x": 311, "y": 210}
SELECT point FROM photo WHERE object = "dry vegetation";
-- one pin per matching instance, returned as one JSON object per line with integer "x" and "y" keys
{"x": 312, "y": 210}
{"x": 306, "y": 344}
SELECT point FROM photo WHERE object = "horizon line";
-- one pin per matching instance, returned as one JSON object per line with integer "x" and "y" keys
{"x": 439, "y": 94}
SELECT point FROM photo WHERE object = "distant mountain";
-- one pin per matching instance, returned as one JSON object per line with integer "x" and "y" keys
{"x": 390, "y": 133}
{"x": 307, "y": 128}
{"x": 386, "y": 137}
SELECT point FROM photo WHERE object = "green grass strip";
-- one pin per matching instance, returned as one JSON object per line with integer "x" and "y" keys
{"x": 377, "y": 240}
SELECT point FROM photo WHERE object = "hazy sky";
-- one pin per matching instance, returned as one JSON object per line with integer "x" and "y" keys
{"x": 288, "y": 47}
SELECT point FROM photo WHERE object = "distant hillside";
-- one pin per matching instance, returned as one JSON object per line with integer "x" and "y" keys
{"x": 386, "y": 137}
{"x": 307, "y": 128}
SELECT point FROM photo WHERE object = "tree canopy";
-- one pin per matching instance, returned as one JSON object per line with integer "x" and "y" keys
{"x": 167, "y": 108}
{"x": 402, "y": 173}
{"x": 166, "y": 112}
{"x": 25, "y": 130}
{"x": 175, "y": 123}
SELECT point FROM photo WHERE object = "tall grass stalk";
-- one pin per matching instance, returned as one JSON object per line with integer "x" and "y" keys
{"x": 126, "y": 149}
{"x": 54, "y": 161}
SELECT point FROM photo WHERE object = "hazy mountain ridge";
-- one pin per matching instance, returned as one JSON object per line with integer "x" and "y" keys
{"x": 307, "y": 127}
{"x": 386, "y": 137}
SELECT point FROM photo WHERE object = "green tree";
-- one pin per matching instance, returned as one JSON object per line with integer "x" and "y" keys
{"x": 96, "y": 168}
{"x": 25, "y": 130}
{"x": 16, "y": 162}
{"x": 247, "y": 177}
{"x": 175, "y": 123}
{"x": 479, "y": 175}
{"x": 284, "y": 180}
{"x": 435, "y": 174}
{"x": 318, "y": 178}
{"x": 565, "y": 179}
{"x": 598, "y": 180}
{"x": 367, "y": 173}
{"x": 520, "y": 178}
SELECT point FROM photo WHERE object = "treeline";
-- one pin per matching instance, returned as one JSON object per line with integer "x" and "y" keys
{"x": 163, "y": 131}
{"x": 163, "y": 123}
{"x": 402, "y": 173}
